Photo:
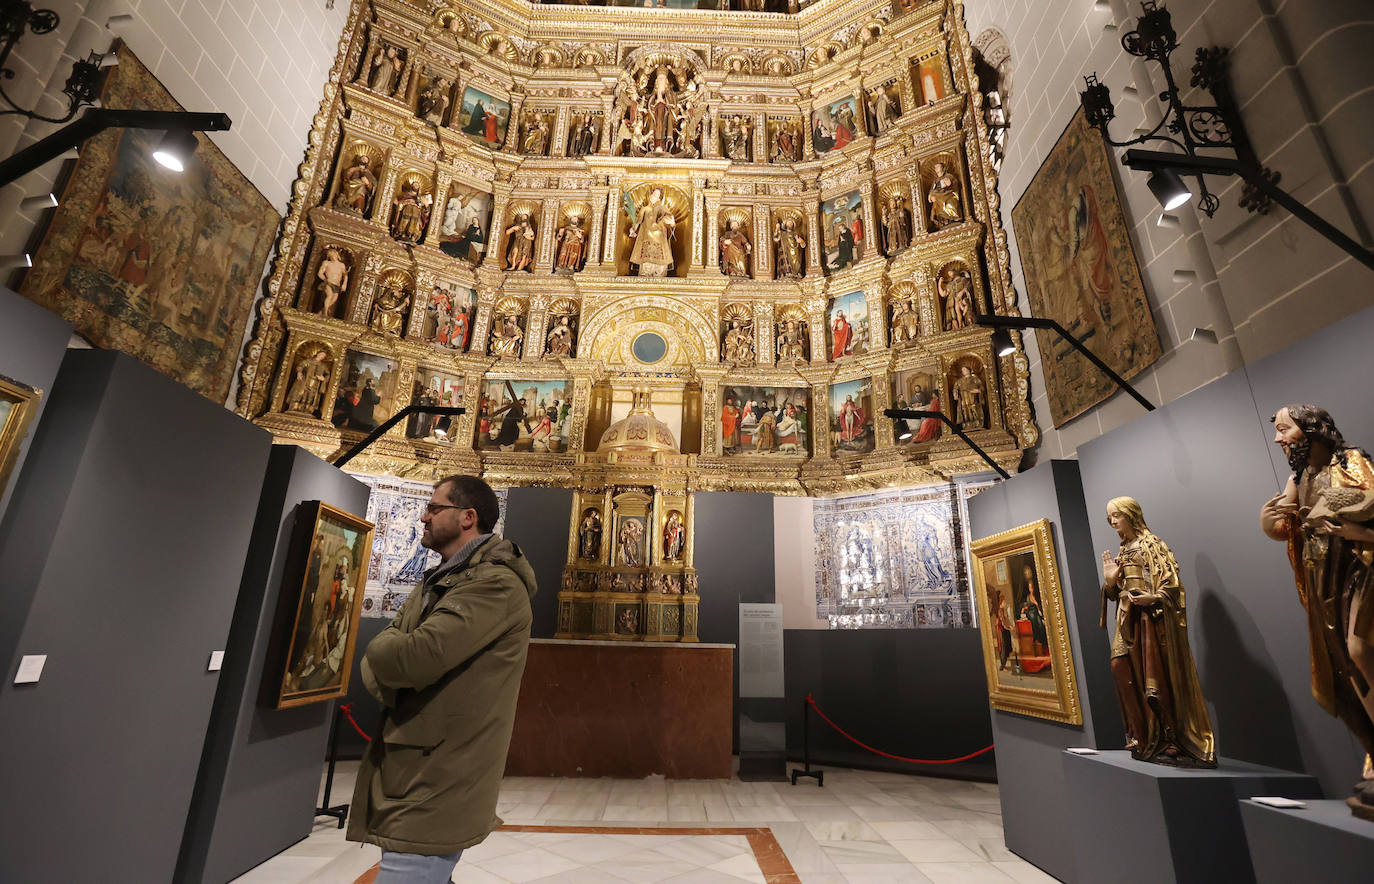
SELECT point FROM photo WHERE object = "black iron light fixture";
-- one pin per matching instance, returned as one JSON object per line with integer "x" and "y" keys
{"x": 1192, "y": 129}
{"x": 910, "y": 414}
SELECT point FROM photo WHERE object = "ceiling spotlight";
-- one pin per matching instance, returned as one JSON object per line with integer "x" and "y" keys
{"x": 36, "y": 203}
{"x": 1002, "y": 343}
{"x": 176, "y": 149}
{"x": 11, "y": 262}
{"x": 904, "y": 436}
{"x": 1169, "y": 189}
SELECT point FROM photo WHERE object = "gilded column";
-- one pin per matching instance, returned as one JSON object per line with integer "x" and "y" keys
{"x": 763, "y": 244}
{"x": 763, "y": 333}
{"x": 808, "y": 145}
{"x": 613, "y": 201}
{"x": 559, "y": 147}
{"x": 607, "y": 125}
{"x": 548, "y": 220}
{"x": 598, "y": 224}
{"x": 877, "y": 316}
{"x": 815, "y": 246}
{"x": 382, "y": 199}
{"x": 710, "y": 377}
{"x": 760, "y": 137}
{"x": 436, "y": 215}
{"x": 918, "y": 214}
{"x": 820, "y": 411}
{"x": 870, "y": 222}
{"x": 425, "y": 281}
{"x": 366, "y": 287}
{"x": 815, "y": 321}
{"x": 582, "y": 396}
{"x": 883, "y": 432}
{"x": 517, "y": 102}
{"x": 534, "y": 327}
{"x": 500, "y": 197}
{"x": 712, "y": 231}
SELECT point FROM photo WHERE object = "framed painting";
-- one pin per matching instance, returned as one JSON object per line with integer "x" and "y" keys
{"x": 1081, "y": 270}
{"x": 1026, "y": 652}
{"x": 464, "y": 224}
{"x": 434, "y": 386}
{"x": 484, "y": 117}
{"x": 330, "y": 573}
{"x": 842, "y": 227}
{"x": 18, "y": 404}
{"x": 848, "y": 319}
{"x": 161, "y": 265}
{"x": 367, "y": 393}
{"x": 851, "y": 417}
{"x": 835, "y": 124}
{"x": 525, "y": 415}
{"x": 764, "y": 421}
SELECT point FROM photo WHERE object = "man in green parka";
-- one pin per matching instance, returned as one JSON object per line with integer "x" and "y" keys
{"x": 447, "y": 672}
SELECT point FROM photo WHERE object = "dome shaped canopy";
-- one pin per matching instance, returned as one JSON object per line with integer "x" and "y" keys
{"x": 639, "y": 430}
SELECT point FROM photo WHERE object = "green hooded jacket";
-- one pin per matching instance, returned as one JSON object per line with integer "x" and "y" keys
{"x": 448, "y": 682}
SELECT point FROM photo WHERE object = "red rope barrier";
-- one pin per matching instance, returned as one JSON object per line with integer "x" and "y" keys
{"x": 347, "y": 710}
{"x": 813, "y": 705}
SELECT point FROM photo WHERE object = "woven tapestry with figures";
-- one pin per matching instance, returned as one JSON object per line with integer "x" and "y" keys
{"x": 161, "y": 265}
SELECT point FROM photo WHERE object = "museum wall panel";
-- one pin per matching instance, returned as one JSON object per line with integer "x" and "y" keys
{"x": 537, "y": 520}
{"x": 1201, "y": 468}
{"x": 32, "y": 344}
{"x": 260, "y": 773}
{"x": 122, "y": 558}
{"x": 1303, "y": 82}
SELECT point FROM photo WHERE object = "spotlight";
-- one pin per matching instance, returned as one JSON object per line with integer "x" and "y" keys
{"x": 177, "y": 146}
{"x": 1169, "y": 189}
{"x": 36, "y": 203}
{"x": 11, "y": 262}
{"x": 905, "y": 436}
{"x": 1001, "y": 342}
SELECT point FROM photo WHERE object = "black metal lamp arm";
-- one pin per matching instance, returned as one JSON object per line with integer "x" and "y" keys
{"x": 910, "y": 414}
{"x": 450, "y": 410}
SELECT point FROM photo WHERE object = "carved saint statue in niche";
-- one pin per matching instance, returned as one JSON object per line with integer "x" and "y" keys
{"x": 788, "y": 248}
{"x": 572, "y": 245}
{"x": 332, "y": 281}
{"x": 738, "y": 346}
{"x": 506, "y": 335}
{"x": 955, "y": 287}
{"x": 356, "y": 185}
{"x": 561, "y": 337}
{"x": 884, "y": 107}
{"x": 905, "y": 323}
{"x": 582, "y": 140}
{"x": 433, "y": 101}
{"x": 1323, "y": 514}
{"x": 945, "y": 204}
{"x": 674, "y": 536}
{"x": 970, "y": 396}
{"x": 409, "y": 214}
{"x": 308, "y": 381}
{"x": 792, "y": 341}
{"x": 1156, "y": 680}
{"x": 896, "y": 224}
{"x": 589, "y": 535}
{"x": 536, "y": 139}
{"x": 389, "y": 311}
{"x": 735, "y": 249}
{"x": 520, "y": 243}
{"x": 652, "y": 227}
{"x": 385, "y": 72}
{"x": 735, "y": 132}
{"x": 787, "y": 143}
{"x": 631, "y": 542}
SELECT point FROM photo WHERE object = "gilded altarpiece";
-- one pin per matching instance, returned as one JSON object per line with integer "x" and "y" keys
{"x": 642, "y": 204}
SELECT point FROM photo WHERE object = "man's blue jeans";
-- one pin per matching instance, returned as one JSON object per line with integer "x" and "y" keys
{"x": 412, "y": 868}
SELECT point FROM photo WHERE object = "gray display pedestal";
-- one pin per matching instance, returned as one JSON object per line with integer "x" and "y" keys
{"x": 1316, "y": 844}
{"x": 1133, "y": 821}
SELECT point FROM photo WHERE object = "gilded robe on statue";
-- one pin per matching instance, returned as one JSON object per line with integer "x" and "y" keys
{"x": 1152, "y": 665}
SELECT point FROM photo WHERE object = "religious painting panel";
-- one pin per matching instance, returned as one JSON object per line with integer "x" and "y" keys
{"x": 851, "y": 417}
{"x": 835, "y": 124}
{"x": 849, "y": 325}
{"x": 18, "y": 404}
{"x": 161, "y": 265}
{"x": 784, "y": 139}
{"x": 434, "y": 386}
{"x": 525, "y": 415}
{"x": 308, "y": 382}
{"x": 449, "y": 314}
{"x": 483, "y": 117}
{"x": 464, "y": 224}
{"x": 919, "y": 390}
{"x": 367, "y": 391}
{"x": 1026, "y": 653}
{"x": 765, "y": 421}
{"x": 1081, "y": 270}
{"x": 842, "y": 228}
{"x": 929, "y": 77}
{"x": 892, "y": 559}
{"x": 398, "y": 562}
{"x": 329, "y": 570}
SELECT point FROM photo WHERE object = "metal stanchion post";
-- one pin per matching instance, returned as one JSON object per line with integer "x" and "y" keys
{"x": 818, "y": 775}
{"x": 339, "y": 811}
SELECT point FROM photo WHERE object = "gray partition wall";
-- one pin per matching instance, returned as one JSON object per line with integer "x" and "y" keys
{"x": 260, "y": 773}
{"x": 1035, "y": 807}
{"x": 122, "y": 552}
{"x": 1201, "y": 467}
{"x": 32, "y": 343}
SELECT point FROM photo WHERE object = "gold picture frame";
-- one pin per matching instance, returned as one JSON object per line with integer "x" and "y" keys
{"x": 18, "y": 404}
{"x": 1029, "y": 665}
{"x": 329, "y": 576}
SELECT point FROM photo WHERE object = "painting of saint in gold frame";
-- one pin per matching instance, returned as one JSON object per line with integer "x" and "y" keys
{"x": 324, "y": 618}
{"x": 1026, "y": 652}
{"x": 18, "y": 403}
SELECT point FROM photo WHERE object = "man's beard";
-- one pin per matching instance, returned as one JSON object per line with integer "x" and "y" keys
{"x": 1298, "y": 453}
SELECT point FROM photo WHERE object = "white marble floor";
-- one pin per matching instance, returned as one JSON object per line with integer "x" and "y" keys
{"x": 863, "y": 827}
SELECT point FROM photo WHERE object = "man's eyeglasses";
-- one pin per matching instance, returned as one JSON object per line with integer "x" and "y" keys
{"x": 435, "y": 508}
